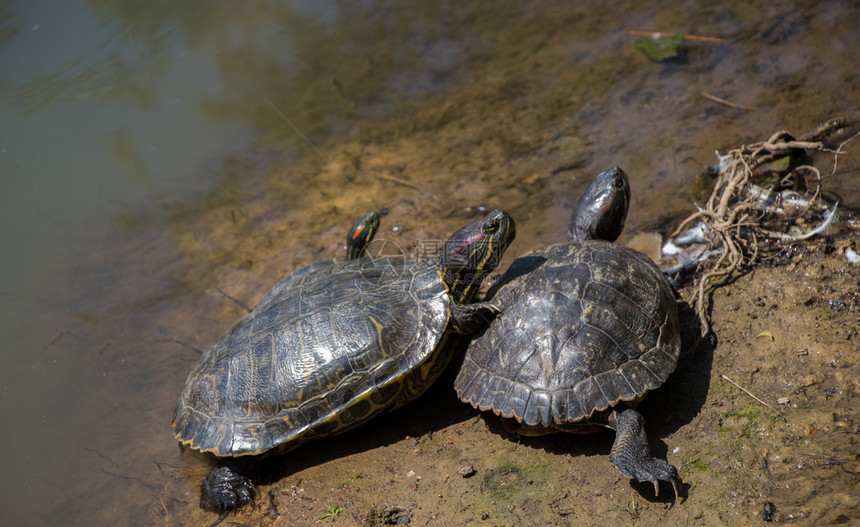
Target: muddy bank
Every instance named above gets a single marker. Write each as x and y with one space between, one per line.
786 334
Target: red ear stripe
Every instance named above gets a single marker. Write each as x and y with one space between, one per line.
608 203
466 243
357 232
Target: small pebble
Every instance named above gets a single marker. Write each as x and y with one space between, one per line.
467 471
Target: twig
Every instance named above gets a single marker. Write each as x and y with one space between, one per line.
686 37
754 397
54 340
296 128
164 505
727 103
189 346
96 452
248 309
406 184
131 478
106 345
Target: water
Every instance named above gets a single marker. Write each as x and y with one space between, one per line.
159 159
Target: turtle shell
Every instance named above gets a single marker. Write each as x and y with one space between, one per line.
583 326
324 352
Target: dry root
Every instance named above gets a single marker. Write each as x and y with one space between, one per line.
740 215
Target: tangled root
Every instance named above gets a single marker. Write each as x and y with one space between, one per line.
739 214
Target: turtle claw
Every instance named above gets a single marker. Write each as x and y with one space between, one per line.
225 490
676 483
674 480
630 453
668 473
655 470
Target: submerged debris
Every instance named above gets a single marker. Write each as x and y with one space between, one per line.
659 47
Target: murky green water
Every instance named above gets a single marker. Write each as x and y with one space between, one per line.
159 158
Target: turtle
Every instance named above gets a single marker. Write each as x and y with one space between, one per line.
330 350
586 329
358 238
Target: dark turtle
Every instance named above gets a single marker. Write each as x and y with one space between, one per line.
330 350
587 328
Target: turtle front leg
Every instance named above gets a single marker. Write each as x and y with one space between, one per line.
469 318
630 453
226 488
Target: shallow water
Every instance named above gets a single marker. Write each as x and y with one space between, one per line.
164 164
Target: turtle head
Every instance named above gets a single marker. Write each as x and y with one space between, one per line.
361 234
474 251
602 209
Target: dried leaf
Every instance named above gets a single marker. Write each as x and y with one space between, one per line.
765 334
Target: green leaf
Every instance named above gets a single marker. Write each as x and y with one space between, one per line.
331 512
659 49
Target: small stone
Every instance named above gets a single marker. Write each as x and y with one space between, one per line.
649 243
811 379
467 471
844 423
531 180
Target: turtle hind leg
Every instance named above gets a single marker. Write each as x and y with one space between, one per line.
630 453
225 488
469 318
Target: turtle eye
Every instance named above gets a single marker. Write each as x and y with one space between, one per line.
491 227
619 183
